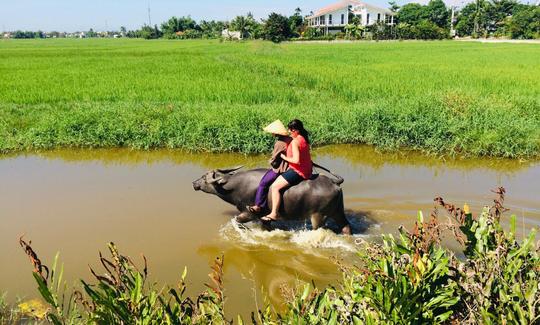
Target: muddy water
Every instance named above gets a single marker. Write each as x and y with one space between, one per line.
76 201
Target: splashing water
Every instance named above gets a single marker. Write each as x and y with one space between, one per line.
297 239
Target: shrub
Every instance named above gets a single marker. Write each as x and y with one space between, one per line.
312 33
427 30
382 31
277 28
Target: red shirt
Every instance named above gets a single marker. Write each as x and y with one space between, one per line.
304 166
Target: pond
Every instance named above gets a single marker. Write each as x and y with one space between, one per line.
75 201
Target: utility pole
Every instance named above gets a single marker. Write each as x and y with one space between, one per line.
452 30
149 18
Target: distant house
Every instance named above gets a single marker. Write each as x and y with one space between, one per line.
231 34
333 18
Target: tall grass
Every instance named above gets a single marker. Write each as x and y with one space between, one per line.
439 97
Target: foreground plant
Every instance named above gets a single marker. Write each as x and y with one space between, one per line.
122 295
413 280
499 281
409 280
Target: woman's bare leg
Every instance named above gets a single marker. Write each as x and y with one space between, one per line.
279 184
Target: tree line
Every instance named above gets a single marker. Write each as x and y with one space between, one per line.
481 18
275 28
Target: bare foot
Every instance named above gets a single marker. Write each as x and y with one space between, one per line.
270 217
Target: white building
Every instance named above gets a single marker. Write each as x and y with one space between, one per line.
228 34
334 18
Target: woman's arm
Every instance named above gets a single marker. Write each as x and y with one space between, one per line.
295 159
276 160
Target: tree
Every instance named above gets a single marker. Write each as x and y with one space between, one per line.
211 29
525 23
465 20
123 31
174 25
437 13
393 6
412 14
480 18
246 25
296 21
497 13
353 31
240 24
91 33
277 28
149 32
23 34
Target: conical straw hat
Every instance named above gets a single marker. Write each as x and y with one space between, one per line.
276 127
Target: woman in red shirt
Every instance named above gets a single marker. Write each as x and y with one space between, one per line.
300 165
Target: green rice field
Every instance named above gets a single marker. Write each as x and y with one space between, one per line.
441 97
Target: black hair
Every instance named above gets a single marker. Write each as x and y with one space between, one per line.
299 126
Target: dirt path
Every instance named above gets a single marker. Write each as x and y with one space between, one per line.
490 40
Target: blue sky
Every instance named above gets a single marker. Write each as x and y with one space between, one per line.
73 15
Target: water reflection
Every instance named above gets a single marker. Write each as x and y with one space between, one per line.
281 259
356 155
376 159
123 156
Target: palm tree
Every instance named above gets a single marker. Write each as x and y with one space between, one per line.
239 24
244 24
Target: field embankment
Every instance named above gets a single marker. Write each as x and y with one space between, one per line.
438 97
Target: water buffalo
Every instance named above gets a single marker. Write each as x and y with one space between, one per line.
316 198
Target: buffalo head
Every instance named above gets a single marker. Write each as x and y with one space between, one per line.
213 180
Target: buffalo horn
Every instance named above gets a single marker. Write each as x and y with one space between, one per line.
214 180
230 170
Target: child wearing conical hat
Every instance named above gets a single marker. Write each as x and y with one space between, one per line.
278 164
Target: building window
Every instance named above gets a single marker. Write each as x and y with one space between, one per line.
322 20
343 19
329 19
367 19
378 17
